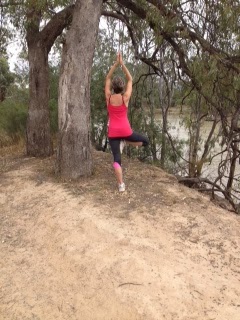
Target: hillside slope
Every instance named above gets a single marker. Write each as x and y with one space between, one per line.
81 250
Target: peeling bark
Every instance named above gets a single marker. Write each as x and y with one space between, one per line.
74 155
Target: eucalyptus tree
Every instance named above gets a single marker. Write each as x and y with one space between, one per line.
39 42
40 23
74 155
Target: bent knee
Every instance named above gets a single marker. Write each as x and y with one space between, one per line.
116 165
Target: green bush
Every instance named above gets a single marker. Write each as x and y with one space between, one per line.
13 117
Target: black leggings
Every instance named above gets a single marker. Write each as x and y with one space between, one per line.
115 144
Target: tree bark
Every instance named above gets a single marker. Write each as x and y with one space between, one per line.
39 143
74 154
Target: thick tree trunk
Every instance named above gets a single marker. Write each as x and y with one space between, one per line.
74 155
39 143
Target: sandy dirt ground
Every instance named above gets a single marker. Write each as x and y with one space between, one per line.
82 251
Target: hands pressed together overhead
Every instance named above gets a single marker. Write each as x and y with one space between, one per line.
119 59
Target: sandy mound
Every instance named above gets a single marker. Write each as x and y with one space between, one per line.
80 250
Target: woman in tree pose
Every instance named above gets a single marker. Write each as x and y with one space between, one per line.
119 128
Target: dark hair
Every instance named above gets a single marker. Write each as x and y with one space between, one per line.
118 84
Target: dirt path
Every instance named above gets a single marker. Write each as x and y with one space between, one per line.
82 251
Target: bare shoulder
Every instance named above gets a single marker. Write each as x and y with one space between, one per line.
126 98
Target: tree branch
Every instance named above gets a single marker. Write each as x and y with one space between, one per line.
56 25
215 187
220 55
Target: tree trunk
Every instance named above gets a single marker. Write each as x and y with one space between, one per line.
39 143
74 154
233 162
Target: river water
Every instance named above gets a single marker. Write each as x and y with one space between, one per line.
179 130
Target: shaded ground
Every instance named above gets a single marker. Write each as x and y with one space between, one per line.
81 250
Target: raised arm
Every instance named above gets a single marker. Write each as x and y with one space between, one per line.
128 90
108 80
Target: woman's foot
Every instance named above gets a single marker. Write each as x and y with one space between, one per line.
134 144
122 145
121 187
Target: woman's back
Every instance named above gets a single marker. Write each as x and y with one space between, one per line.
118 120
117 100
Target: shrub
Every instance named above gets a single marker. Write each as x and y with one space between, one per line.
13 116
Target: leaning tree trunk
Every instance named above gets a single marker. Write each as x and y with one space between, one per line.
74 155
39 143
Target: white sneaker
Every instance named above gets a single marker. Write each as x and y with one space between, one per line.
121 187
122 145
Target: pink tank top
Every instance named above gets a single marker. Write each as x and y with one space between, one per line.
119 125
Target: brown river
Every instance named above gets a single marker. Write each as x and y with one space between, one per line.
178 129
